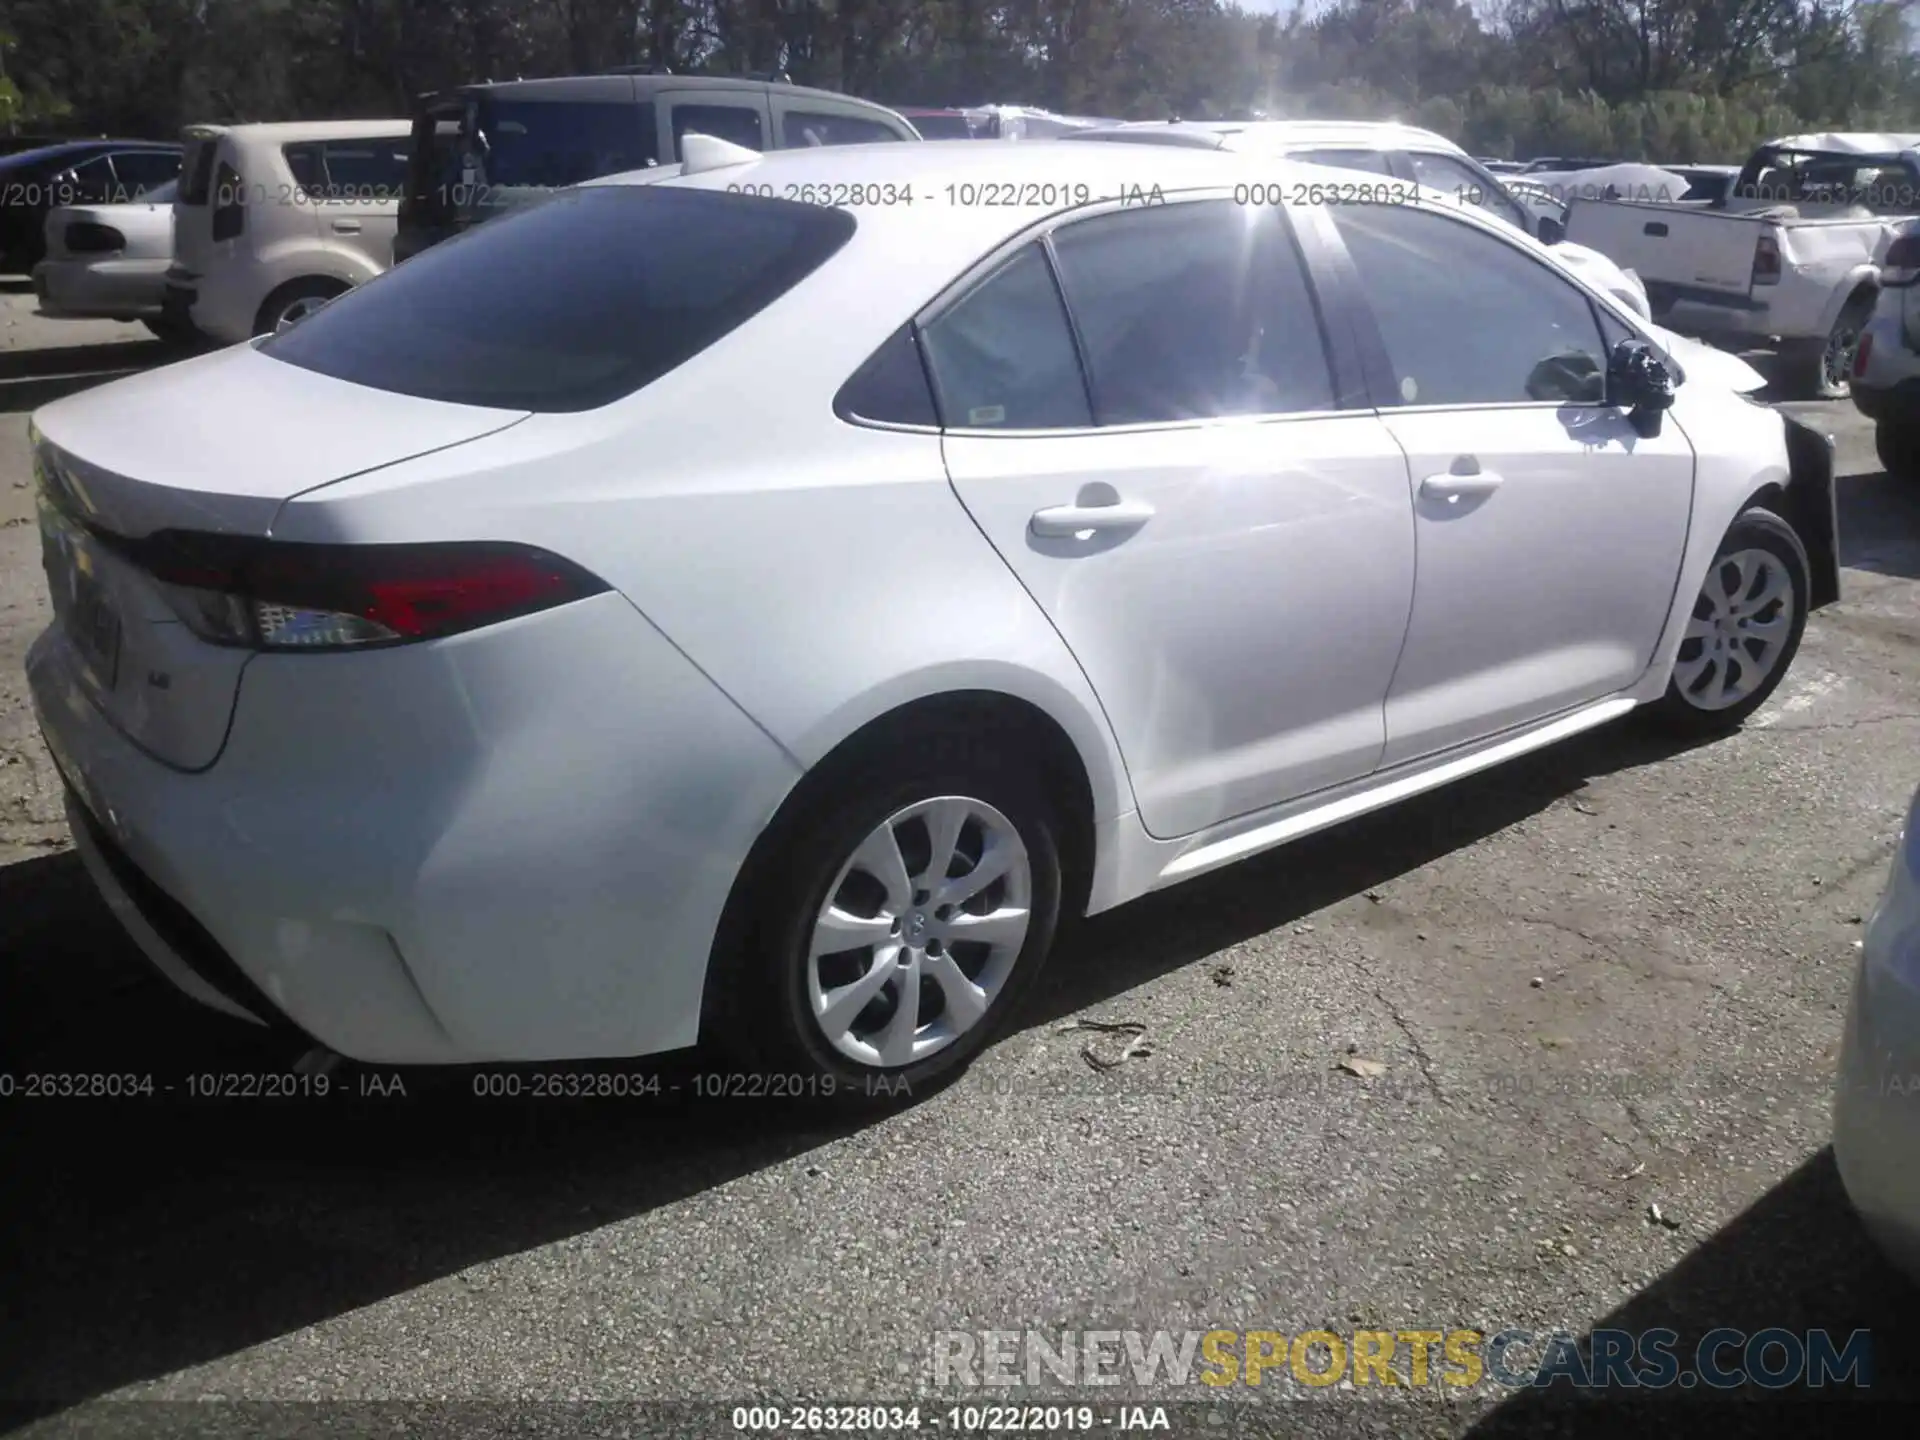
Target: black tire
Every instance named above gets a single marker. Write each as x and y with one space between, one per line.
1681 712
290 295
1898 446
173 332
1823 369
758 1016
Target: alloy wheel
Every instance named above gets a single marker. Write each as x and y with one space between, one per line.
1739 630
920 932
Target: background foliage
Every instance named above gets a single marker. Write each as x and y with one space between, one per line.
1667 80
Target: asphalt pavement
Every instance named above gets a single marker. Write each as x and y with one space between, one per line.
1431 1071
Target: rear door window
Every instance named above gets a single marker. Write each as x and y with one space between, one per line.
736 124
303 163
1192 312
370 171
1370 160
649 276
142 171
91 182
1003 356
551 143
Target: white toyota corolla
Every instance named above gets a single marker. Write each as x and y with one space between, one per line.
756 604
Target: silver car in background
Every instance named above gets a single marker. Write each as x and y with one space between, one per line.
1876 1121
109 262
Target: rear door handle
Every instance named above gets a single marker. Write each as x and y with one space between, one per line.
346 227
1465 479
1065 520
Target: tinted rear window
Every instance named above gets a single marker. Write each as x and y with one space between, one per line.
651 276
562 142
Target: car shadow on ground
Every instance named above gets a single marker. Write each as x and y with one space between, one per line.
32 378
1797 1259
142 1236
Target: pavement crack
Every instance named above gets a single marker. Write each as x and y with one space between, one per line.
1419 1051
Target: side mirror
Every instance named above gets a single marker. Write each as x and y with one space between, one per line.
1552 230
1639 381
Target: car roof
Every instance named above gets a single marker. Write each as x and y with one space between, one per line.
284 131
558 87
1847 143
76 147
1277 135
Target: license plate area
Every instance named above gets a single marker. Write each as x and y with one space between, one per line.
81 600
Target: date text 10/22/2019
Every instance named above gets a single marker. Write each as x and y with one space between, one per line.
956 1419
962 195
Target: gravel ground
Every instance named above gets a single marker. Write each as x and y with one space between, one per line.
1606 978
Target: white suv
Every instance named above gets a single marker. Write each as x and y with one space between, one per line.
273 221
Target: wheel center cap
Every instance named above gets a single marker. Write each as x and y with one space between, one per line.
916 926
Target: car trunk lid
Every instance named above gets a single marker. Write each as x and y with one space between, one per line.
215 445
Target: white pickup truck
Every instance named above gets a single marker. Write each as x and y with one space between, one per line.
1788 258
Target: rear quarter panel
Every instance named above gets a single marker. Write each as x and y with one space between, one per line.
820 573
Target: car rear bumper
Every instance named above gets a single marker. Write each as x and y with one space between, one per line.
101 289
511 845
1876 1125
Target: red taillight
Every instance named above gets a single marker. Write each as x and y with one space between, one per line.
1766 261
84 237
281 595
1862 353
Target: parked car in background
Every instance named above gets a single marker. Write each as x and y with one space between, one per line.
1497 167
273 221
110 262
1876 1124
1886 366
1389 149
525 704
73 172
1708 184
954 124
482 150
1789 258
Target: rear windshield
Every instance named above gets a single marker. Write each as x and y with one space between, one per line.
651 276
559 142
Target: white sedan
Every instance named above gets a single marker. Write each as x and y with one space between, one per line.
766 624
109 262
